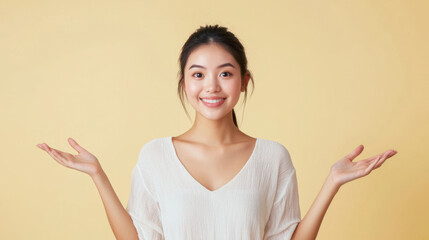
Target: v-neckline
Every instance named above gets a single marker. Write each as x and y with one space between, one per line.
176 158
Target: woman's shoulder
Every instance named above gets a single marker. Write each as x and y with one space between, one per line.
153 152
155 145
273 145
276 151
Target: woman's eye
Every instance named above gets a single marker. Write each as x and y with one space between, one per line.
196 74
229 74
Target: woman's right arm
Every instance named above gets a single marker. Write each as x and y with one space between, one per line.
341 172
119 219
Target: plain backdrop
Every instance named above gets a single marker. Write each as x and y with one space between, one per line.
329 75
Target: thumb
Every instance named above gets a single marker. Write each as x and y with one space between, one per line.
76 146
354 153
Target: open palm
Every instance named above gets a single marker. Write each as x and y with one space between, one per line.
84 161
345 170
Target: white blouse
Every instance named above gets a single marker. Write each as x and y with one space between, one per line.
261 202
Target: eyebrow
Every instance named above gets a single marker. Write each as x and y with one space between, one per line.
223 65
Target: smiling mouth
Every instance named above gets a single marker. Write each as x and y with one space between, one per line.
213 100
213 103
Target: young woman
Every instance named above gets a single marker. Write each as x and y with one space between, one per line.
214 181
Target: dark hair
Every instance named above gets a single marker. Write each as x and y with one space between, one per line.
213 34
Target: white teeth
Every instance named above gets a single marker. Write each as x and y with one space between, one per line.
212 101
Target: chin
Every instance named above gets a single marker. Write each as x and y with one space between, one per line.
214 116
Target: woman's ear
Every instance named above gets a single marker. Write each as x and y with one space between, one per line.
245 81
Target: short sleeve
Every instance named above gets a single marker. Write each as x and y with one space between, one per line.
144 209
285 213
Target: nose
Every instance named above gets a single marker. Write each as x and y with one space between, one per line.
212 84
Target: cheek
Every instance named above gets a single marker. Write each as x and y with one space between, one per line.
234 87
192 89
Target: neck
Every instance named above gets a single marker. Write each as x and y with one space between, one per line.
214 132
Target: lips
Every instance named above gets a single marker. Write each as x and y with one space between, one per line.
212 98
214 104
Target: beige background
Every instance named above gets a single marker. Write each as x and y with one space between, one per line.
329 75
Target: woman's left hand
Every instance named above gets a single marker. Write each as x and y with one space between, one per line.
345 170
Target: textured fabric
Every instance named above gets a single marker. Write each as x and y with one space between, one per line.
260 203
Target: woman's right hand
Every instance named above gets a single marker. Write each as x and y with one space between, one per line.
84 161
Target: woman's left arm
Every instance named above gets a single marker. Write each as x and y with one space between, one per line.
341 172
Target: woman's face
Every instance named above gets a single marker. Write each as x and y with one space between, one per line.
212 72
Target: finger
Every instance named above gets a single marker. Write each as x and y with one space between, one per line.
55 157
381 159
393 152
49 149
355 152
76 146
45 147
58 157
387 155
67 162
62 154
371 159
370 167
